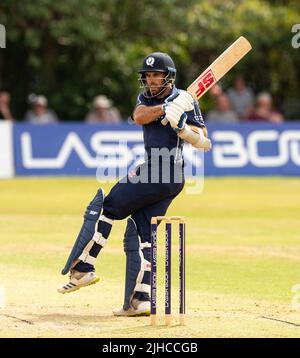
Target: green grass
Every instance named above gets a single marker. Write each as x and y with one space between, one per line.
243 257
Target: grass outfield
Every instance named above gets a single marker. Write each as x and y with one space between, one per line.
243 258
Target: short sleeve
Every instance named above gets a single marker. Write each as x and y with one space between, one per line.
141 100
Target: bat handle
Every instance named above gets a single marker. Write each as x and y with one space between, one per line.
164 121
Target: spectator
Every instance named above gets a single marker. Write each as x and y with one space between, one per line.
241 97
216 91
223 112
5 112
264 111
103 112
40 114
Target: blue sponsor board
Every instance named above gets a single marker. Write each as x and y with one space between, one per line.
254 149
73 149
80 149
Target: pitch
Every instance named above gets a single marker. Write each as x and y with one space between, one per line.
242 261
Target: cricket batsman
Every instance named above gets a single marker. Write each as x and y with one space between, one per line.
145 193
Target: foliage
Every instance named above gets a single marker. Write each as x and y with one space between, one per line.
73 50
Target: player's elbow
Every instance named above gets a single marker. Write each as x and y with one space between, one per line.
138 119
137 116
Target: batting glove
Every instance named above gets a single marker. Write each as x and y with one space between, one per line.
185 101
175 116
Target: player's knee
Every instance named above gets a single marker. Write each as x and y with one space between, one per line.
93 210
114 208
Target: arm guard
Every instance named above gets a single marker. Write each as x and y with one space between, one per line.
197 139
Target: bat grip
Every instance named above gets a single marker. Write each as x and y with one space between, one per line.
164 121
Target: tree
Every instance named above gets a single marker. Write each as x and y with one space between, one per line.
73 50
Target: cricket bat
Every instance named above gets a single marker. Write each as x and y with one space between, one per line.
230 57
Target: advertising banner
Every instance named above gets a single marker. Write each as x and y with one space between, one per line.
80 149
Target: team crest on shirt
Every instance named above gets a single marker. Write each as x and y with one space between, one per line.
150 61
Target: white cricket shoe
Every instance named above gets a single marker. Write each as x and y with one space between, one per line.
78 280
137 308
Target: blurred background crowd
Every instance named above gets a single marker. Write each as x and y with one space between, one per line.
237 104
102 110
78 61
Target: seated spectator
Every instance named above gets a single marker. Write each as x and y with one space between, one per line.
5 112
223 112
241 97
264 111
40 114
216 90
103 112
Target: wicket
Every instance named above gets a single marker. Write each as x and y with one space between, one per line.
168 245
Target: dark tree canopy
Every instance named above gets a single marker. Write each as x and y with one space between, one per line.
73 50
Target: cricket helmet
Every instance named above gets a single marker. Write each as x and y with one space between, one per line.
157 62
